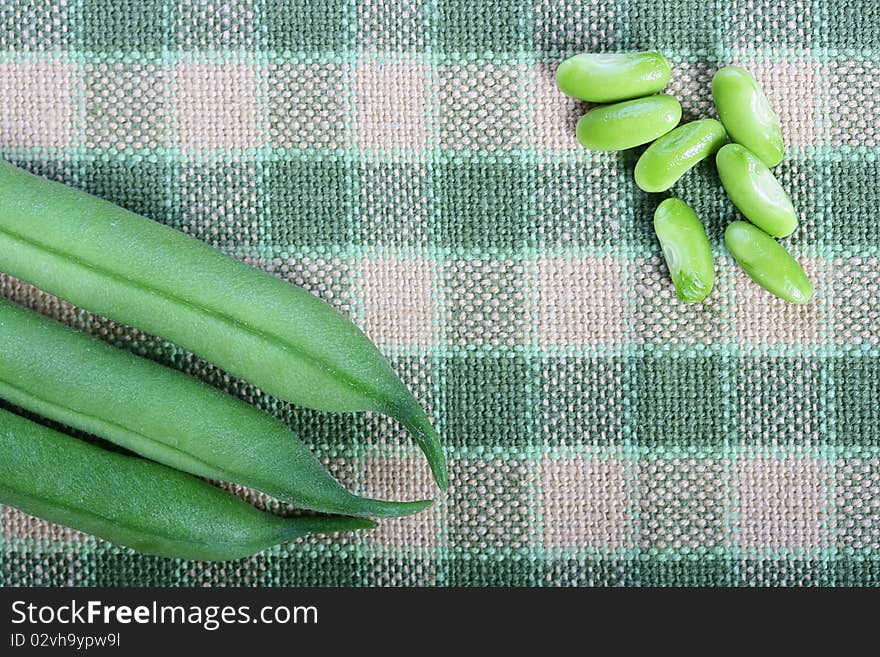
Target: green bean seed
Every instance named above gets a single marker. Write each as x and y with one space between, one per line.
747 115
755 191
686 250
767 262
671 156
628 124
253 325
135 502
609 78
164 415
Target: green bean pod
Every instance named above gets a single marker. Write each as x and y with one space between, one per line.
686 250
628 124
755 191
676 152
164 415
134 502
747 115
767 262
609 78
255 326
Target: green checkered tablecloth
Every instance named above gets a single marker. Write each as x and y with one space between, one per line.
413 163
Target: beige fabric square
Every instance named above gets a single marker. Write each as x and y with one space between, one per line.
782 502
398 298
38 104
555 115
393 107
764 319
307 105
580 301
217 106
328 279
793 91
406 478
126 106
19 526
850 104
660 317
585 503
481 106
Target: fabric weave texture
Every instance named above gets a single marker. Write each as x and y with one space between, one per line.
412 162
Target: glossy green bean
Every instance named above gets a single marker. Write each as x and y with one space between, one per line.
628 124
676 152
164 415
255 326
134 502
686 250
767 262
747 115
755 191
609 78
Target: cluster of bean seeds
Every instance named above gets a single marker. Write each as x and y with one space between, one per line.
638 115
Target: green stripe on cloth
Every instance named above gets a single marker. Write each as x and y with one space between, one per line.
412 163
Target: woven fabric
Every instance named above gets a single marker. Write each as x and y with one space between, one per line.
413 163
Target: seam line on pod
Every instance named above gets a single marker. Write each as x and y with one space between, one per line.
94 514
124 429
223 317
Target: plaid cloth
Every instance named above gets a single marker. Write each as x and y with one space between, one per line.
413 163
